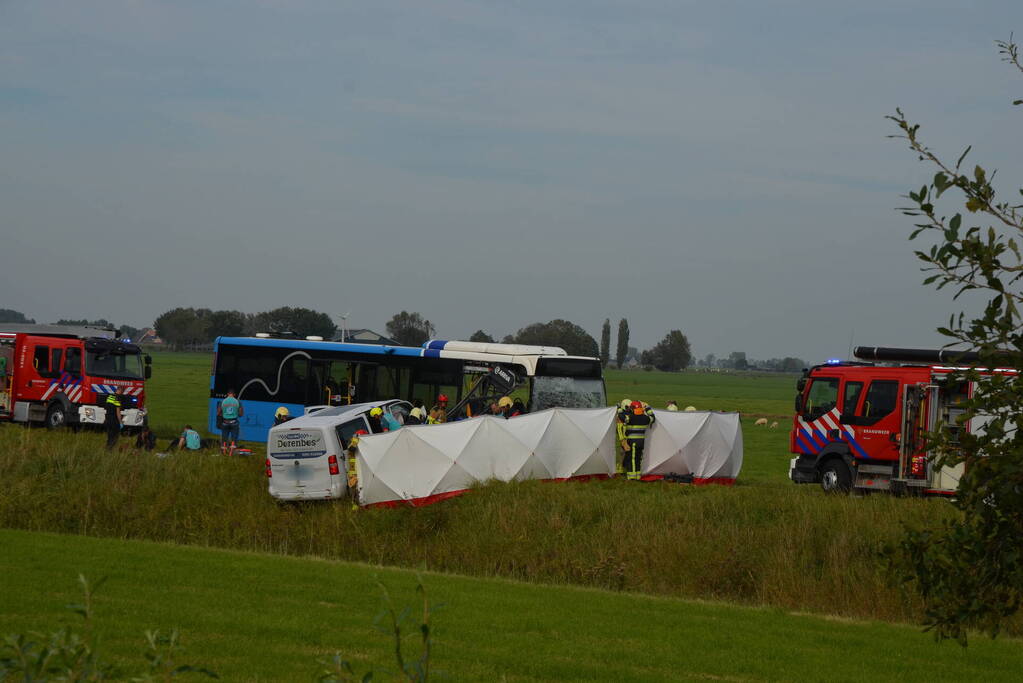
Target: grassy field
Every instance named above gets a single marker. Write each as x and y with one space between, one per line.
759 543
764 542
263 617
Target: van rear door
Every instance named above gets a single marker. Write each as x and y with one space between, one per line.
298 463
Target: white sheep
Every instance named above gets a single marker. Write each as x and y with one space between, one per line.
762 422
774 425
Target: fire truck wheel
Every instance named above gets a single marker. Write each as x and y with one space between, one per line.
835 477
56 416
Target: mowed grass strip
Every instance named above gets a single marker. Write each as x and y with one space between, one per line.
786 546
263 617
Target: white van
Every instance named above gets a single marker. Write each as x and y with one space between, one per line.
306 458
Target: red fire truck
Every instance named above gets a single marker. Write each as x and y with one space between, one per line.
861 426
62 375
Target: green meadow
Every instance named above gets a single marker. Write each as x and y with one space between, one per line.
539 580
263 617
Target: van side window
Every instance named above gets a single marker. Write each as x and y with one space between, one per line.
881 399
851 397
823 397
346 431
41 360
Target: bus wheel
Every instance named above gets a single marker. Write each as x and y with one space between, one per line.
835 477
56 417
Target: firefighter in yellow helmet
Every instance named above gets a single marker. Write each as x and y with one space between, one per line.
636 425
508 408
622 412
353 446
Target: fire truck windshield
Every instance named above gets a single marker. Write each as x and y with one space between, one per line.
114 365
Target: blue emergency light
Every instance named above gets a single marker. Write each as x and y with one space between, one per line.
834 361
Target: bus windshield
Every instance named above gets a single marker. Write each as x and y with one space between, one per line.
113 365
567 392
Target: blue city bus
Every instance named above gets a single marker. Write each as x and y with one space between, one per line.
268 373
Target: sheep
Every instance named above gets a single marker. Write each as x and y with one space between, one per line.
774 425
762 422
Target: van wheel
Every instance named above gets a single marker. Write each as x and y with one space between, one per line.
56 416
835 477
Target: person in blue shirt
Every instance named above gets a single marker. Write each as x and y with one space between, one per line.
190 440
229 411
389 422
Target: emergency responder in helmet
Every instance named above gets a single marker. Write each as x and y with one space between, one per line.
439 412
636 425
507 407
375 424
620 414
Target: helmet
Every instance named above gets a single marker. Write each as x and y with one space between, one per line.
505 402
416 412
376 412
626 403
442 399
361 432
281 412
636 405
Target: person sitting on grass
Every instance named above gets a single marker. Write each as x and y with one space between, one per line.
189 440
146 440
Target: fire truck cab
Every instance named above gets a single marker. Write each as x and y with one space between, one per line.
61 376
861 426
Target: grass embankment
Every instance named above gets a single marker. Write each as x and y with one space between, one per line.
260 617
789 547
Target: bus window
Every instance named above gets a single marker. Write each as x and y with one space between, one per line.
296 382
403 379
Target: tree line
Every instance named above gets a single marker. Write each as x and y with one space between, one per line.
190 327
183 327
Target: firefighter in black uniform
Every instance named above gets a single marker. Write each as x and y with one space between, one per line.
113 418
636 424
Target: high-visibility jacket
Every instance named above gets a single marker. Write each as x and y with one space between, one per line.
636 426
112 404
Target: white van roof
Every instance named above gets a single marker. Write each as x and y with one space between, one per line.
331 416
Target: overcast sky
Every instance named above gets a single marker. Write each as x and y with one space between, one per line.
717 167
